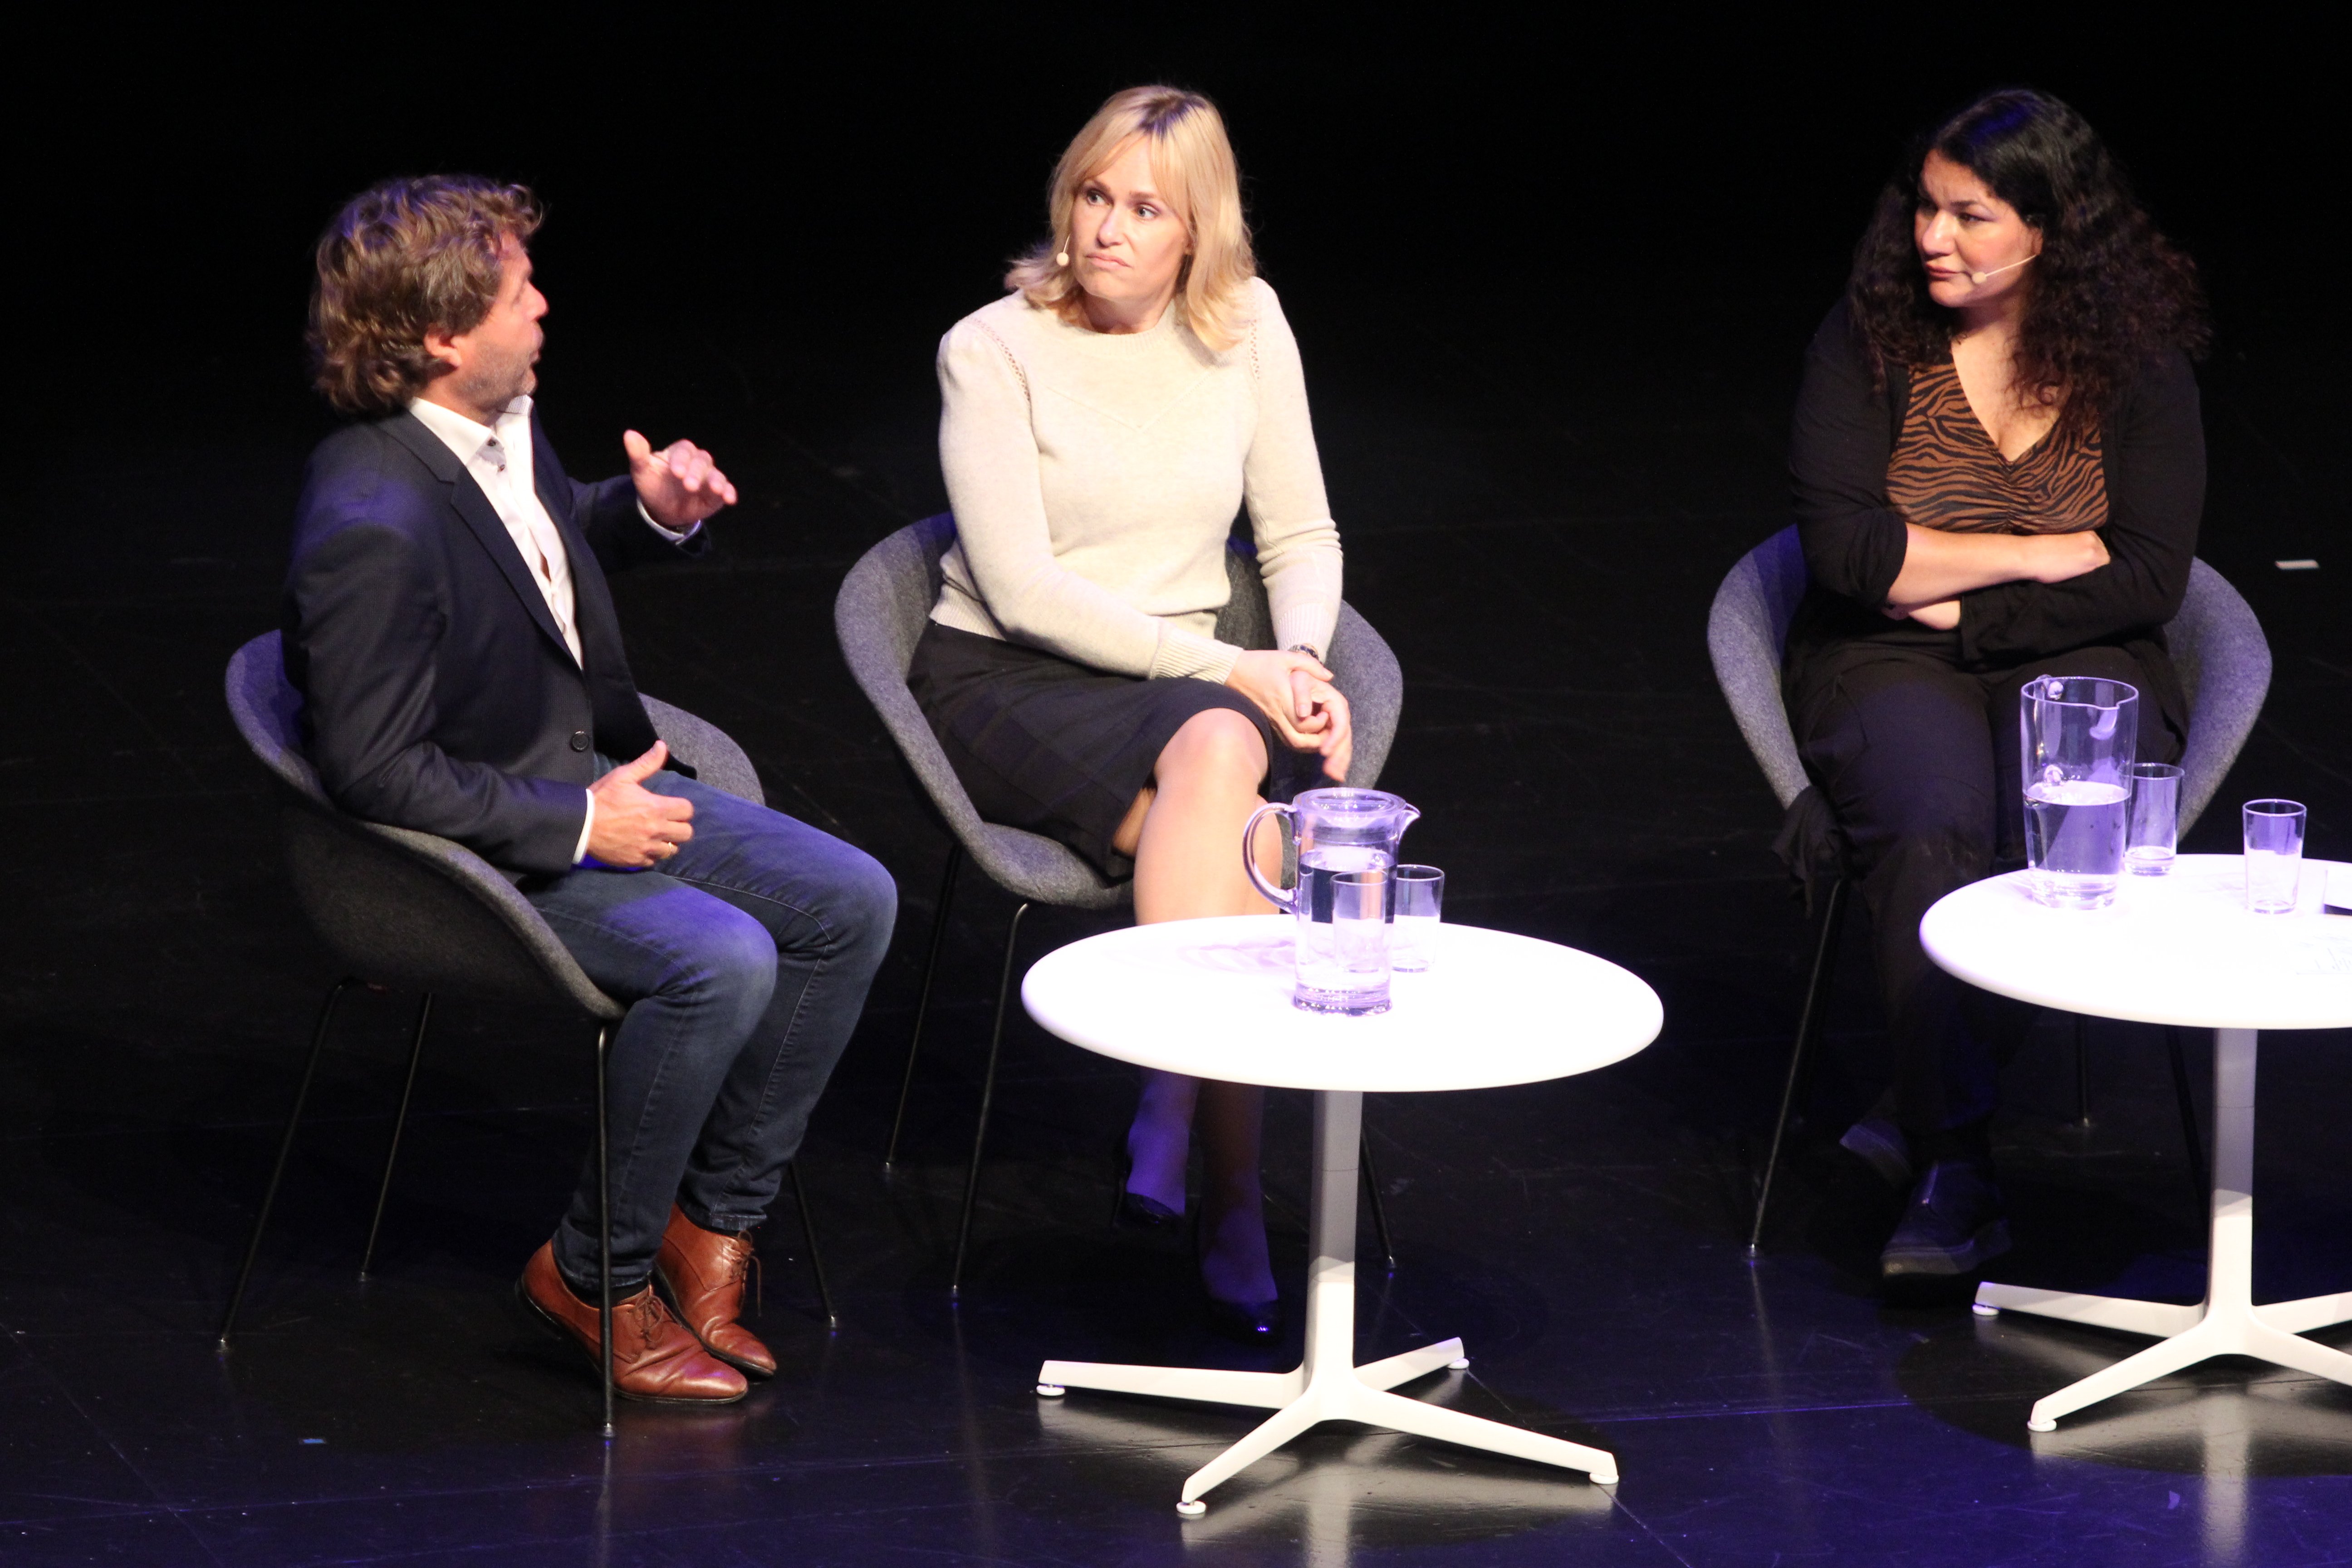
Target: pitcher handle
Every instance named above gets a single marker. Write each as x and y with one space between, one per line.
1272 894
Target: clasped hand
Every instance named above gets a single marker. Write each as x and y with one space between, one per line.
679 485
634 828
1296 692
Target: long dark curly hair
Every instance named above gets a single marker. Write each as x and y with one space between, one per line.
2109 291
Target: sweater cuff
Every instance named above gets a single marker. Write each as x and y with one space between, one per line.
1189 653
1317 626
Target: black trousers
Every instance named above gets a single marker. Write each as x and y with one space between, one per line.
1918 760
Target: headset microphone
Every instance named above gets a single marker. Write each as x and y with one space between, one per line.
1997 271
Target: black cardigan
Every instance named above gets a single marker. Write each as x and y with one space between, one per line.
2153 451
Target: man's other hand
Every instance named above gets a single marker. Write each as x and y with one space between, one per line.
679 485
634 828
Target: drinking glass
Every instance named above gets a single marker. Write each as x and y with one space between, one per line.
2154 829
1352 975
2274 855
2076 738
1413 936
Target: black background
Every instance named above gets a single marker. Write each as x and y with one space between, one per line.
1551 273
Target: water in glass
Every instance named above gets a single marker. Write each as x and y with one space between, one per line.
2076 736
2074 840
1336 833
2151 839
1342 944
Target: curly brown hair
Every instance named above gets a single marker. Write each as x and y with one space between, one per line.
2109 293
402 259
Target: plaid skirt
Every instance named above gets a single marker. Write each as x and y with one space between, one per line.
1062 750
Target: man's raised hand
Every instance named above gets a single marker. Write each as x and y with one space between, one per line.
634 828
679 485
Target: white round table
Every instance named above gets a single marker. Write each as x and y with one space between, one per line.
2180 950
1212 999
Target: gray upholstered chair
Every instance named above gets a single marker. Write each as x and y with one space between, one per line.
2217 645
880 613
402 910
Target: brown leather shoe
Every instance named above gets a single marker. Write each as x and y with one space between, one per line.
654 1358
702 1272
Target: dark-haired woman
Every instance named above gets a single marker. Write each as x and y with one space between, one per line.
1999 465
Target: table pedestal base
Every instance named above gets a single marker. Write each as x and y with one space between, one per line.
1327 1385
2227 1323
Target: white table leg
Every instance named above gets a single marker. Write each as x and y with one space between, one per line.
1328 1384
2313 1313
1386 1375
2228 1323
1264 1390
2160 1319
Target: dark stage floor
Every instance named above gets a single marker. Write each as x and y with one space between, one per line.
1537 504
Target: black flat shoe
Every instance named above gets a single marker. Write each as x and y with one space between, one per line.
1880 1145
1251 1322
1954 1224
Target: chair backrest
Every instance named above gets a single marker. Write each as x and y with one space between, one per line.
880 615
1747 633
408 908
1361 661
2224 664
2217 649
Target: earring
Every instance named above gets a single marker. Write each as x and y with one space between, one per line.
1062 258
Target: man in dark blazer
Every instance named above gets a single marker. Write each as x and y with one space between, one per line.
447 622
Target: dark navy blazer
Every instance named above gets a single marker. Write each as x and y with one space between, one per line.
438 693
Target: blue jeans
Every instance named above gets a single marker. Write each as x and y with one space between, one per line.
745 960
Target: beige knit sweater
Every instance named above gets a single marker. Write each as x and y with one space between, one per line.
1095 478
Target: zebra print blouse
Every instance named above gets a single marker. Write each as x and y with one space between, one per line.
1947 473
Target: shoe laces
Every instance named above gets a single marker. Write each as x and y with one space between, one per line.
648 1316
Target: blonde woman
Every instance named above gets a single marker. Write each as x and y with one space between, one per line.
1099 426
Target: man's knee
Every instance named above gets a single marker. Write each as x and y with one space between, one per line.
728 960
863 906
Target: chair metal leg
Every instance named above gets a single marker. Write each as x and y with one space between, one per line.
399 1123
285 1149
923 1002
987 1097
1379 1210
2081 1071
2188 1134
604 1229
1809 1024
808 1233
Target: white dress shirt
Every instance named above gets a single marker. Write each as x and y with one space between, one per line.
499 457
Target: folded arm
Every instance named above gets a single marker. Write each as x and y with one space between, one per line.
2154 508
1858 546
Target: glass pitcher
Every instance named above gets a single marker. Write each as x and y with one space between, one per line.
2078 738
1332 832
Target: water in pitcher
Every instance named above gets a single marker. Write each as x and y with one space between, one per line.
2074 841
1333 976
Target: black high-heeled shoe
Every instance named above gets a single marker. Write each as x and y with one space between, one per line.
1133 1211
1251 1322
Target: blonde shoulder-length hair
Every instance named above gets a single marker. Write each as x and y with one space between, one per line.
1192 162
